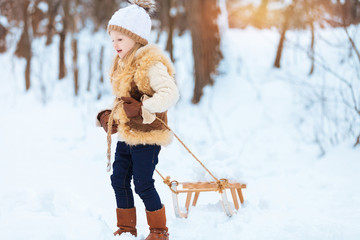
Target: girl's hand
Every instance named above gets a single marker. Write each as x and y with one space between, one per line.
104 119
131 107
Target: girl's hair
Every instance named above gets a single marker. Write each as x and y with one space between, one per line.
126 62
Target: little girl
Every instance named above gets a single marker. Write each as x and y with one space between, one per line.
141 77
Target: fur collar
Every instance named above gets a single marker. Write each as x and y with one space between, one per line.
146 48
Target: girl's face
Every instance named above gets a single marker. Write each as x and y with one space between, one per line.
122 43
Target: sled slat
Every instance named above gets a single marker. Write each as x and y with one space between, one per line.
190 185
197 190
233 194
196 198
240 195
188 199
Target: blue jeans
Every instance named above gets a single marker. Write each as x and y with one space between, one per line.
139 162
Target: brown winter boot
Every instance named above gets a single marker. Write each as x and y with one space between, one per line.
126 221
157 225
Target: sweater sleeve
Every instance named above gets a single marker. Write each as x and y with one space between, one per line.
166 92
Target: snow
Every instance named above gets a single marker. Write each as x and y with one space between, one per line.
53 178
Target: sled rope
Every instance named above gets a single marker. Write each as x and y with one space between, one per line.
221 184
168 182
110 123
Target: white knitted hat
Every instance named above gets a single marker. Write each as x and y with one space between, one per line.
134 20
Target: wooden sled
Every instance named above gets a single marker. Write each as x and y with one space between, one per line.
198 187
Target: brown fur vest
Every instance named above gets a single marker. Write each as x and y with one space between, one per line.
134 82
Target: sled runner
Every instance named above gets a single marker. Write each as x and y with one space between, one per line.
219 185
197 187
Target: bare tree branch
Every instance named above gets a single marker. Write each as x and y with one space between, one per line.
329 70
352 43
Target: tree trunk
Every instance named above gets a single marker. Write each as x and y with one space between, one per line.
349 12
202 15
27 73
65 18
345 25
62 67
101 11
90 72
74 45
357 143
280 48
23 48
3 33
312 50
162 15
52 10
101 59
171 21
285 27
309 9
37 15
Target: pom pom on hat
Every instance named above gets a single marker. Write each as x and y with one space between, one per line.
148 5
134 20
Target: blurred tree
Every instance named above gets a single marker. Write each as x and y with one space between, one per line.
23 48
202 15
12 10
260 15
53 7
101 11
285 26
37 15
89 71
65 18
74 46
240 14
170 17
181 23
351 11
171 21
101 78
350 16
309 7
3 33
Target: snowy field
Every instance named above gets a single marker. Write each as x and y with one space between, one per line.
53 178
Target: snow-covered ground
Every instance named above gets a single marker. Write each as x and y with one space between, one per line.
53 178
